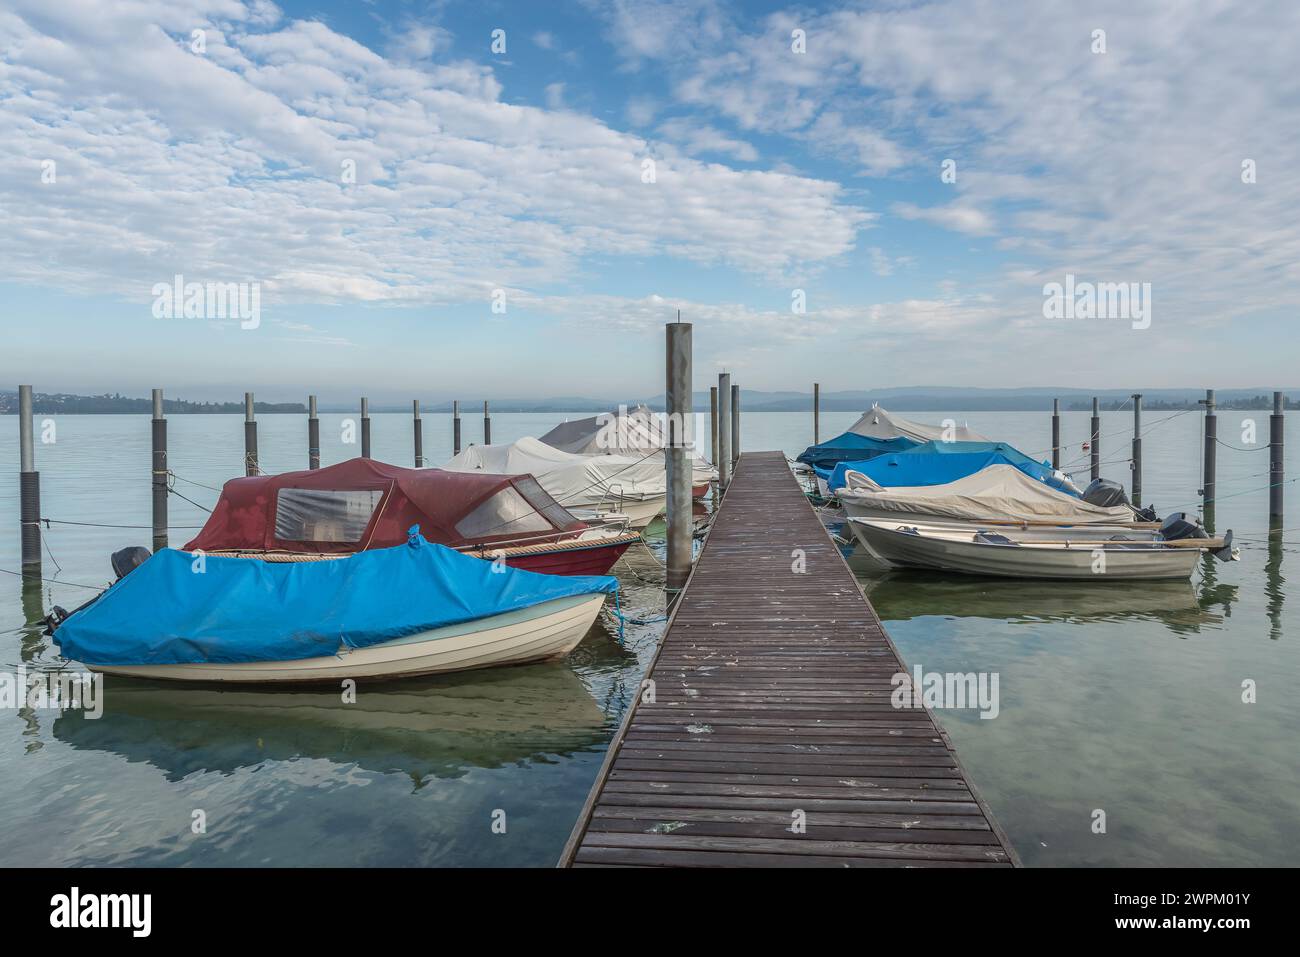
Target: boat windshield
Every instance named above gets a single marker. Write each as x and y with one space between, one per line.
505 513
324 515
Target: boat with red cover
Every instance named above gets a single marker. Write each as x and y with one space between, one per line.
363 504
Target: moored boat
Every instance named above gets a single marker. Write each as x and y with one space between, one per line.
589 486
364 504
1008 553
415 609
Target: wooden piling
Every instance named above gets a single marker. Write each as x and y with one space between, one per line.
724 431
455 427
735 426
1137 449
29 487
678 406
159 483
1056 433
365 427
1094 443
713 423
1276 476
313 434
487 424
250 436
1210 466
418 425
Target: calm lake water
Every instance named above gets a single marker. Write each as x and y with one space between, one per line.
1124 698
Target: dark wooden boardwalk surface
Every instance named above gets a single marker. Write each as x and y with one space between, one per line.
771 703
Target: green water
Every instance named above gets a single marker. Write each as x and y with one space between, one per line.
1125 698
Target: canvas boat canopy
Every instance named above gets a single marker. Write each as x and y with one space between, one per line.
997 492
937 463
849 447
362 504
628 432
877 423
879 432
164 612
624 432
575 481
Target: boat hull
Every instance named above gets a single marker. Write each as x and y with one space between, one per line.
640 512
1028 560
547 630
595 559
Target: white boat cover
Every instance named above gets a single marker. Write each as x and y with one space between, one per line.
635 432
999 492
876 423
575 481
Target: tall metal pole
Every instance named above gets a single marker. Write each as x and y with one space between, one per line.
1094 443
487 424
419 433
365 427
735 427
1137 448
678 398
1056 433
1275 469
159 484
724 430
713 423
817 413
455 427
250 436
1209 481
313 434
29 487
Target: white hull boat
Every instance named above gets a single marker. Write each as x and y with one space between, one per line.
999 494
548 630
1003 553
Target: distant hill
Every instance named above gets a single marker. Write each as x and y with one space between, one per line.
916 398
64 404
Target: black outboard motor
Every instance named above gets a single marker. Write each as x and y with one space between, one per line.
128 560
1105 493
1178 526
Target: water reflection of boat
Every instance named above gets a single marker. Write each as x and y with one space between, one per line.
440 727
901 597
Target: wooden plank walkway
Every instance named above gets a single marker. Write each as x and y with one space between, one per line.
771 697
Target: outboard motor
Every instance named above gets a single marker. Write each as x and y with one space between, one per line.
1178 526
1105 493
128 560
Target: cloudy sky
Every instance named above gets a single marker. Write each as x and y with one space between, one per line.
387 171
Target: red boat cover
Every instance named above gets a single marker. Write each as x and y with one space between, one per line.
362 504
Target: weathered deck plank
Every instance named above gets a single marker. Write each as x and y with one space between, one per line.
771 701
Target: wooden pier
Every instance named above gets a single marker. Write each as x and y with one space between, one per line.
766 736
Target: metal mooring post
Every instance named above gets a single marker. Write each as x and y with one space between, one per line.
418 426
250 436
1094 444
1275 468
313 434
29 487
724 431
159 483
1137 448
365 427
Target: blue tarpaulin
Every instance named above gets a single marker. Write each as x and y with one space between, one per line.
850 446
936 463
238 609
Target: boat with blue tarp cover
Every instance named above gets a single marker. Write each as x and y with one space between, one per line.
937 463
413 609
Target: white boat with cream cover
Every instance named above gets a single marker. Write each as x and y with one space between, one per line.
635 432
999 493
583 484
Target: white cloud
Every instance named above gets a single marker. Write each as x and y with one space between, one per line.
234 164
955 216
695 138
